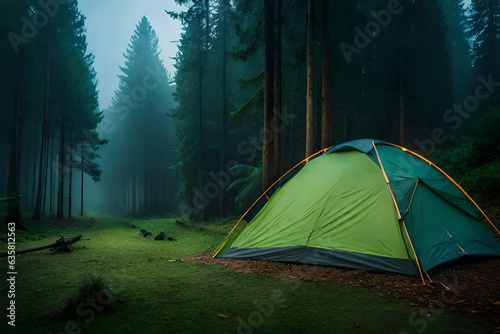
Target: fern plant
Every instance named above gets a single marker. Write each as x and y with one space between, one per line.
249 184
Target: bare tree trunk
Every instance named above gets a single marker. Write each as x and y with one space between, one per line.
134 192
401 106
310 75
145 190
13 204
276 172
33 176
45 172
81 185
207 25
327 105
52 179
344 110
30 183
59 243
223 135
60 191
269 40
38 204
70 181
201 213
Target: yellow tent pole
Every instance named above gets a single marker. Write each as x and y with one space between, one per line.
399 215
289 171
456 243
387 181
227 237
414 253
408 235
411 198
451 180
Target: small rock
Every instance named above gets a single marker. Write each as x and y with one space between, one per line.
178 222
160 236
171 239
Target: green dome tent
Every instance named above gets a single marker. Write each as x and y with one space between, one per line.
364 204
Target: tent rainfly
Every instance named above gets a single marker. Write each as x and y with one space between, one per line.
364 204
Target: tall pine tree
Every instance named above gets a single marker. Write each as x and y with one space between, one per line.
140 181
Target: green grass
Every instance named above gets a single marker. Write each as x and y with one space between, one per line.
159 294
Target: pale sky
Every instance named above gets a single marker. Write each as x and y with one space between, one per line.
110 25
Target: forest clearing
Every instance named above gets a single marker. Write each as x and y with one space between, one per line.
175 287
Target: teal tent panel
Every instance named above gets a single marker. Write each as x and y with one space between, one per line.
441 232
362 145
403 170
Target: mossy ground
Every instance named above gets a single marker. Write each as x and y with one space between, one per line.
159 293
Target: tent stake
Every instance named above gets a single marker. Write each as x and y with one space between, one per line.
428 277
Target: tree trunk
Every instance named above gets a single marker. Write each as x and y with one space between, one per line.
60 169
51 187
14 199
207 25
201 212
276 171
401 106
57 244
46 171
344 126
31 161
223 135
134 192
145 190
327 105
81 185
34 171
70 181
310 75
38 204
269 40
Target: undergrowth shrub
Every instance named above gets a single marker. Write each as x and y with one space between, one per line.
93 295
475 164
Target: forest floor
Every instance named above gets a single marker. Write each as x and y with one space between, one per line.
176 287
471 286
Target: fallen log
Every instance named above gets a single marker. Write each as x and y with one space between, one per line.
63 243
